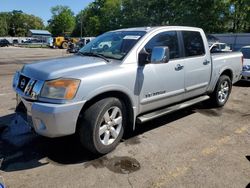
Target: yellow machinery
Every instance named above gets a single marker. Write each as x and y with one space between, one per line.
63 42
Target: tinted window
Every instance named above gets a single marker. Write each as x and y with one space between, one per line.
165 39
193 43
246 53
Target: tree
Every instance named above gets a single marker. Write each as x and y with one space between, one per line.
207 14
90 18
111 15
100 16
62 21
4 23
212 15
239 15
134 13
17 23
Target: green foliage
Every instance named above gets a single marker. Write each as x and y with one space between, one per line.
63 20
213 16
208 14
17 23
239 15
4 22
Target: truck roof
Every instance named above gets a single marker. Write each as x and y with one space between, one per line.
149 29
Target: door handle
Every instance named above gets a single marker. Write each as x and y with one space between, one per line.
206 62
179 67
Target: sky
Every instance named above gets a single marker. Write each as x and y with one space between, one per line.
41 8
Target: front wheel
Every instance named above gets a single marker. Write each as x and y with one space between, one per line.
64 45
222 91
102 125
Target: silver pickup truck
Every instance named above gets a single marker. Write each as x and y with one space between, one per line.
145 73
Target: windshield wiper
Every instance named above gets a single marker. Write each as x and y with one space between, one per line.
94 55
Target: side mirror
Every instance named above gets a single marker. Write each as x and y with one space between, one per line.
160 54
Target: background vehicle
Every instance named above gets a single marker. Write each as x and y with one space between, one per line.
74 48
105 45
246 63
63 42
15 41
32 41
219 47
85 40
235 40
4 42
146 73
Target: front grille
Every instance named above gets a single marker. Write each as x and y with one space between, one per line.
23 82
27 87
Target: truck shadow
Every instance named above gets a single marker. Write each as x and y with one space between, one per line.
36 151
5 120
242 83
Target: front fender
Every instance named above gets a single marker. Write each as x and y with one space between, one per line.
115 88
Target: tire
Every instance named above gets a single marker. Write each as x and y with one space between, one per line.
221 92
64 45
102 125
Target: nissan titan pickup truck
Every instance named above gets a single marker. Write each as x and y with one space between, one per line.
143 74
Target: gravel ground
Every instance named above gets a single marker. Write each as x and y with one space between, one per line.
195 147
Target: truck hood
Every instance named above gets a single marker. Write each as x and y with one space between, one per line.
62 67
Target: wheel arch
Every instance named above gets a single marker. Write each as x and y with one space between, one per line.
227 72
127 101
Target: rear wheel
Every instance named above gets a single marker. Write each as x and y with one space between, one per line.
102 125
222 91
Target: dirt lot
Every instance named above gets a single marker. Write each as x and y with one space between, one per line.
195 147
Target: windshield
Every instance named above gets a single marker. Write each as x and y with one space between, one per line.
114 45
246 53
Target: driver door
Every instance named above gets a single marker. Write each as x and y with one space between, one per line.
161 84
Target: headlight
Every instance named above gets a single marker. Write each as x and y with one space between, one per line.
60 89
246 68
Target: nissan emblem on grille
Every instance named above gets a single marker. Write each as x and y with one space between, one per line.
22 83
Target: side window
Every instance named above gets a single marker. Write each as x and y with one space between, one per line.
193 43
169 39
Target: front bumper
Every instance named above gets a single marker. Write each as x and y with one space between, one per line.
53 120
245 75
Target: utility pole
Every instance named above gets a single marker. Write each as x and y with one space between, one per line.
81 25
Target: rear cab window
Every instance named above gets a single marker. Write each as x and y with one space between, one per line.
193 43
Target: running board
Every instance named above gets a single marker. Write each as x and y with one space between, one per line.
168 110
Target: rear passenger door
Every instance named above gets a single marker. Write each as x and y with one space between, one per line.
197 64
